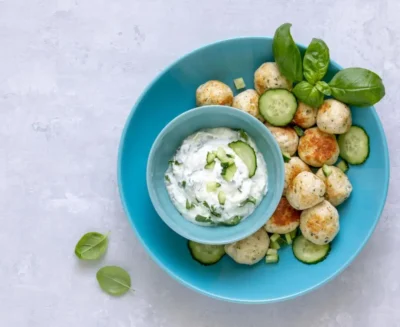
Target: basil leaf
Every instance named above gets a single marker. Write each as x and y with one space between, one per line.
323 87
287 54
91 246
357 86
308 94
316 61
114 280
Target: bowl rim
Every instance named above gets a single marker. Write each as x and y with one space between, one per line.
171 272
181 231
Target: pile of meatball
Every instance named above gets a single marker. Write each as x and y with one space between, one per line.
309 200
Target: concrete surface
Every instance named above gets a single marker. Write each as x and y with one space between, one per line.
70 70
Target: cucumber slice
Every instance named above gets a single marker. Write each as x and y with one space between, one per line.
277 106
210 157
299 131
247 154
228 171
308 252
221 197
210 165
343 166
206 254
354 145
239 83
272 258
326 170
286 156
212 186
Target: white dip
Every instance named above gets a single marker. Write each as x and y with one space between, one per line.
190 184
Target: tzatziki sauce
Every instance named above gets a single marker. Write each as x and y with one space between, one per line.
208 181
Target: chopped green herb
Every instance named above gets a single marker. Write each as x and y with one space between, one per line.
183 184
298 130
232 222
243 135
248 200
206 204
202 219
167 179
214 212
189 205
177 163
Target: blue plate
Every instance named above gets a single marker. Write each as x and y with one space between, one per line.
172 93
171 138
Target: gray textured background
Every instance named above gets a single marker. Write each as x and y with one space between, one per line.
70 71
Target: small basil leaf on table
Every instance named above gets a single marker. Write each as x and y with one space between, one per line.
316 61
308 94
287 54
114 280
91 246
323 87
357 86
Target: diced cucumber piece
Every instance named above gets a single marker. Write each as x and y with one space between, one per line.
308 252
272 252
232 222
275 245
206 254
288 238
278 106
228 171
239 83
286 156
299 131
293 234
343 166
354 145
210 165
212 186
248 200
221 155
275 237
202 219
189 205
326 170
247 154
272 258
243 135
221 197
210 157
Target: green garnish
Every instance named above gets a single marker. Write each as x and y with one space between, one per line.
189 205
91 246
114 280
239 83
202 219
167 179
248 200
243 135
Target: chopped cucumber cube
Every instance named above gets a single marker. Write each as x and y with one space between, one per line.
326 170
275 245
275 237
343 166
288 238
228 171
271 258
272 252
212 186
221 197
239 83
210 165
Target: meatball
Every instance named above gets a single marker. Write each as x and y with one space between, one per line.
247 101
338 186
214 92
317 148
249 250
286 137
334 117
268 76
305 191
284 220
320 224
305 115
292 168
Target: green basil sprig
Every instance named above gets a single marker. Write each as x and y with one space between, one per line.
287 54
316 61
91 246
323 87
308 94
114 280
357 86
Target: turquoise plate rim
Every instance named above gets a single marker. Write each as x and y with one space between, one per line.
182 281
